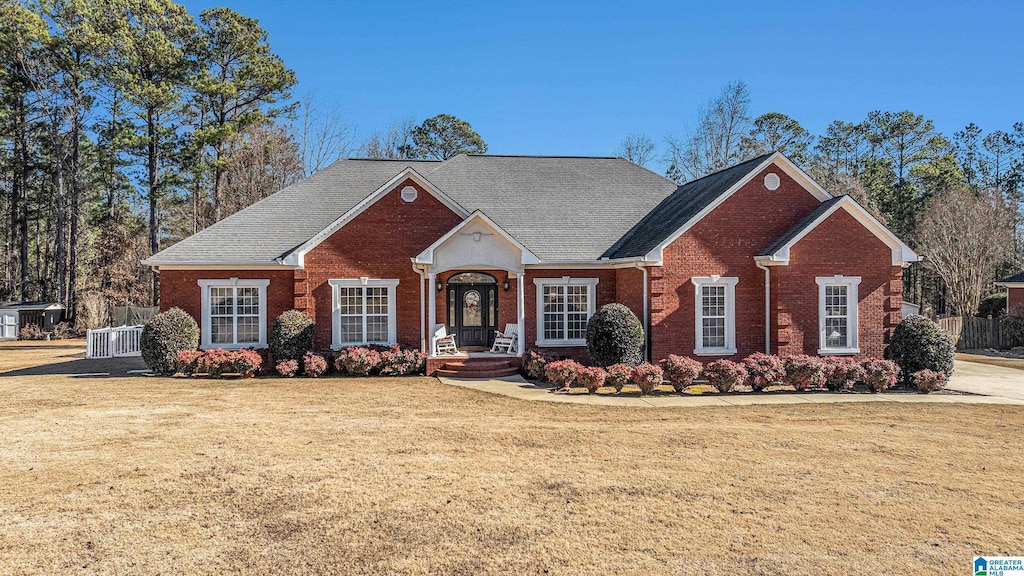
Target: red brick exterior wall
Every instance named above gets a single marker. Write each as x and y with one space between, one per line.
180 288
1014 299
379 243
724 243
839 245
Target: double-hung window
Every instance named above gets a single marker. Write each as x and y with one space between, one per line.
715 319
564 306
364 312
234 313
837 314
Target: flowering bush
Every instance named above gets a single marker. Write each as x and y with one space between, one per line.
763 370
562 372
592 378
805 372
246 362
215 362
398 361
535 364
725 374
879 375
288 368
841 373
187 361
619 375
357 361
647 377
314 365
680 371
928 380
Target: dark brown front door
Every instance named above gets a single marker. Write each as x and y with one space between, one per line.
474 306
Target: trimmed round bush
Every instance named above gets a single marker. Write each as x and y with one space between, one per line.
615 336
290 336
879 375
681 371
805 372
535 364
164 336
725 375
764 370
619 375
314 365
562 372
592 378
928 381
647 377
918 344
288 368
842 372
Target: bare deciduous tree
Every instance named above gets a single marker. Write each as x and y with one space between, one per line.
965 237
716 142
396 141
266 159
322 134
637 148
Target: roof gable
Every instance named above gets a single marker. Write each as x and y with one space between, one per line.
428 255
777 253
694 200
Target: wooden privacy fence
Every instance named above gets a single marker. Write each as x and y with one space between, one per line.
971 332
113 342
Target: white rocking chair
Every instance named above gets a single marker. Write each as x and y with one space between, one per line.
443 343
507 341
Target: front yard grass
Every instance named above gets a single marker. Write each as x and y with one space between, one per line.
409 476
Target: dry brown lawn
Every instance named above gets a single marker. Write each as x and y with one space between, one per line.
408 476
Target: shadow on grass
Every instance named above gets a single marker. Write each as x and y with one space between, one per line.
82 368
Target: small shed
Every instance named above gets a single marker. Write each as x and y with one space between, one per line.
45 315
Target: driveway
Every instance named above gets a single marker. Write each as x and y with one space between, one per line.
986 379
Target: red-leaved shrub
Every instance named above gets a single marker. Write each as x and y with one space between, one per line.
879 375
725 375
535 364
288 368
681 371
219 361
763 370
619 375
805 372
314 365
187 361
842 372
357 361
562 373
928 380
592 378
247 362
647 377
399 361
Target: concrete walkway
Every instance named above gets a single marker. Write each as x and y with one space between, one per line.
517 387
988 380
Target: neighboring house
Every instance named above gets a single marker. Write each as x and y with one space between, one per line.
17 315
755 257
1014 291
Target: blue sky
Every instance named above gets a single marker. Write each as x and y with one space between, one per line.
576 77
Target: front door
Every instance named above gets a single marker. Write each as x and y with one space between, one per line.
472 309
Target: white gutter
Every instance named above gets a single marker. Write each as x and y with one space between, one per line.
767 307
646 323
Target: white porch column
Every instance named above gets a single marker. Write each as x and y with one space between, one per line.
521 311
432 312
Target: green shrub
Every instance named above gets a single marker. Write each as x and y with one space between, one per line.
994 305
615 336
164 336
290 336
918 344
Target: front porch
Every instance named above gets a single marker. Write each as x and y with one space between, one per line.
473 365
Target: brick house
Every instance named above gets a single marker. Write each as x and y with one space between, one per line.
752 258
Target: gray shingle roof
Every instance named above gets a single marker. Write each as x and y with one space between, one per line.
686 202
561 208
800 226
1014 279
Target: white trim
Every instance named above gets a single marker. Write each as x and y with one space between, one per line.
363 282
297 256
780 160
852 306
427 255
590 283
901 253
218 266
729 282
1010 284
205 330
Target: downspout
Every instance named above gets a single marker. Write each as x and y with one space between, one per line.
646 323
767 307
423 305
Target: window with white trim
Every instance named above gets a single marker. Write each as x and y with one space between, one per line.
715 315
564 306
837 314
234 313
364 312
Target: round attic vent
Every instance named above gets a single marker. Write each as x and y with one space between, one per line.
771 181
409 193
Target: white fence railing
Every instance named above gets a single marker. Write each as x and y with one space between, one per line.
113 342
